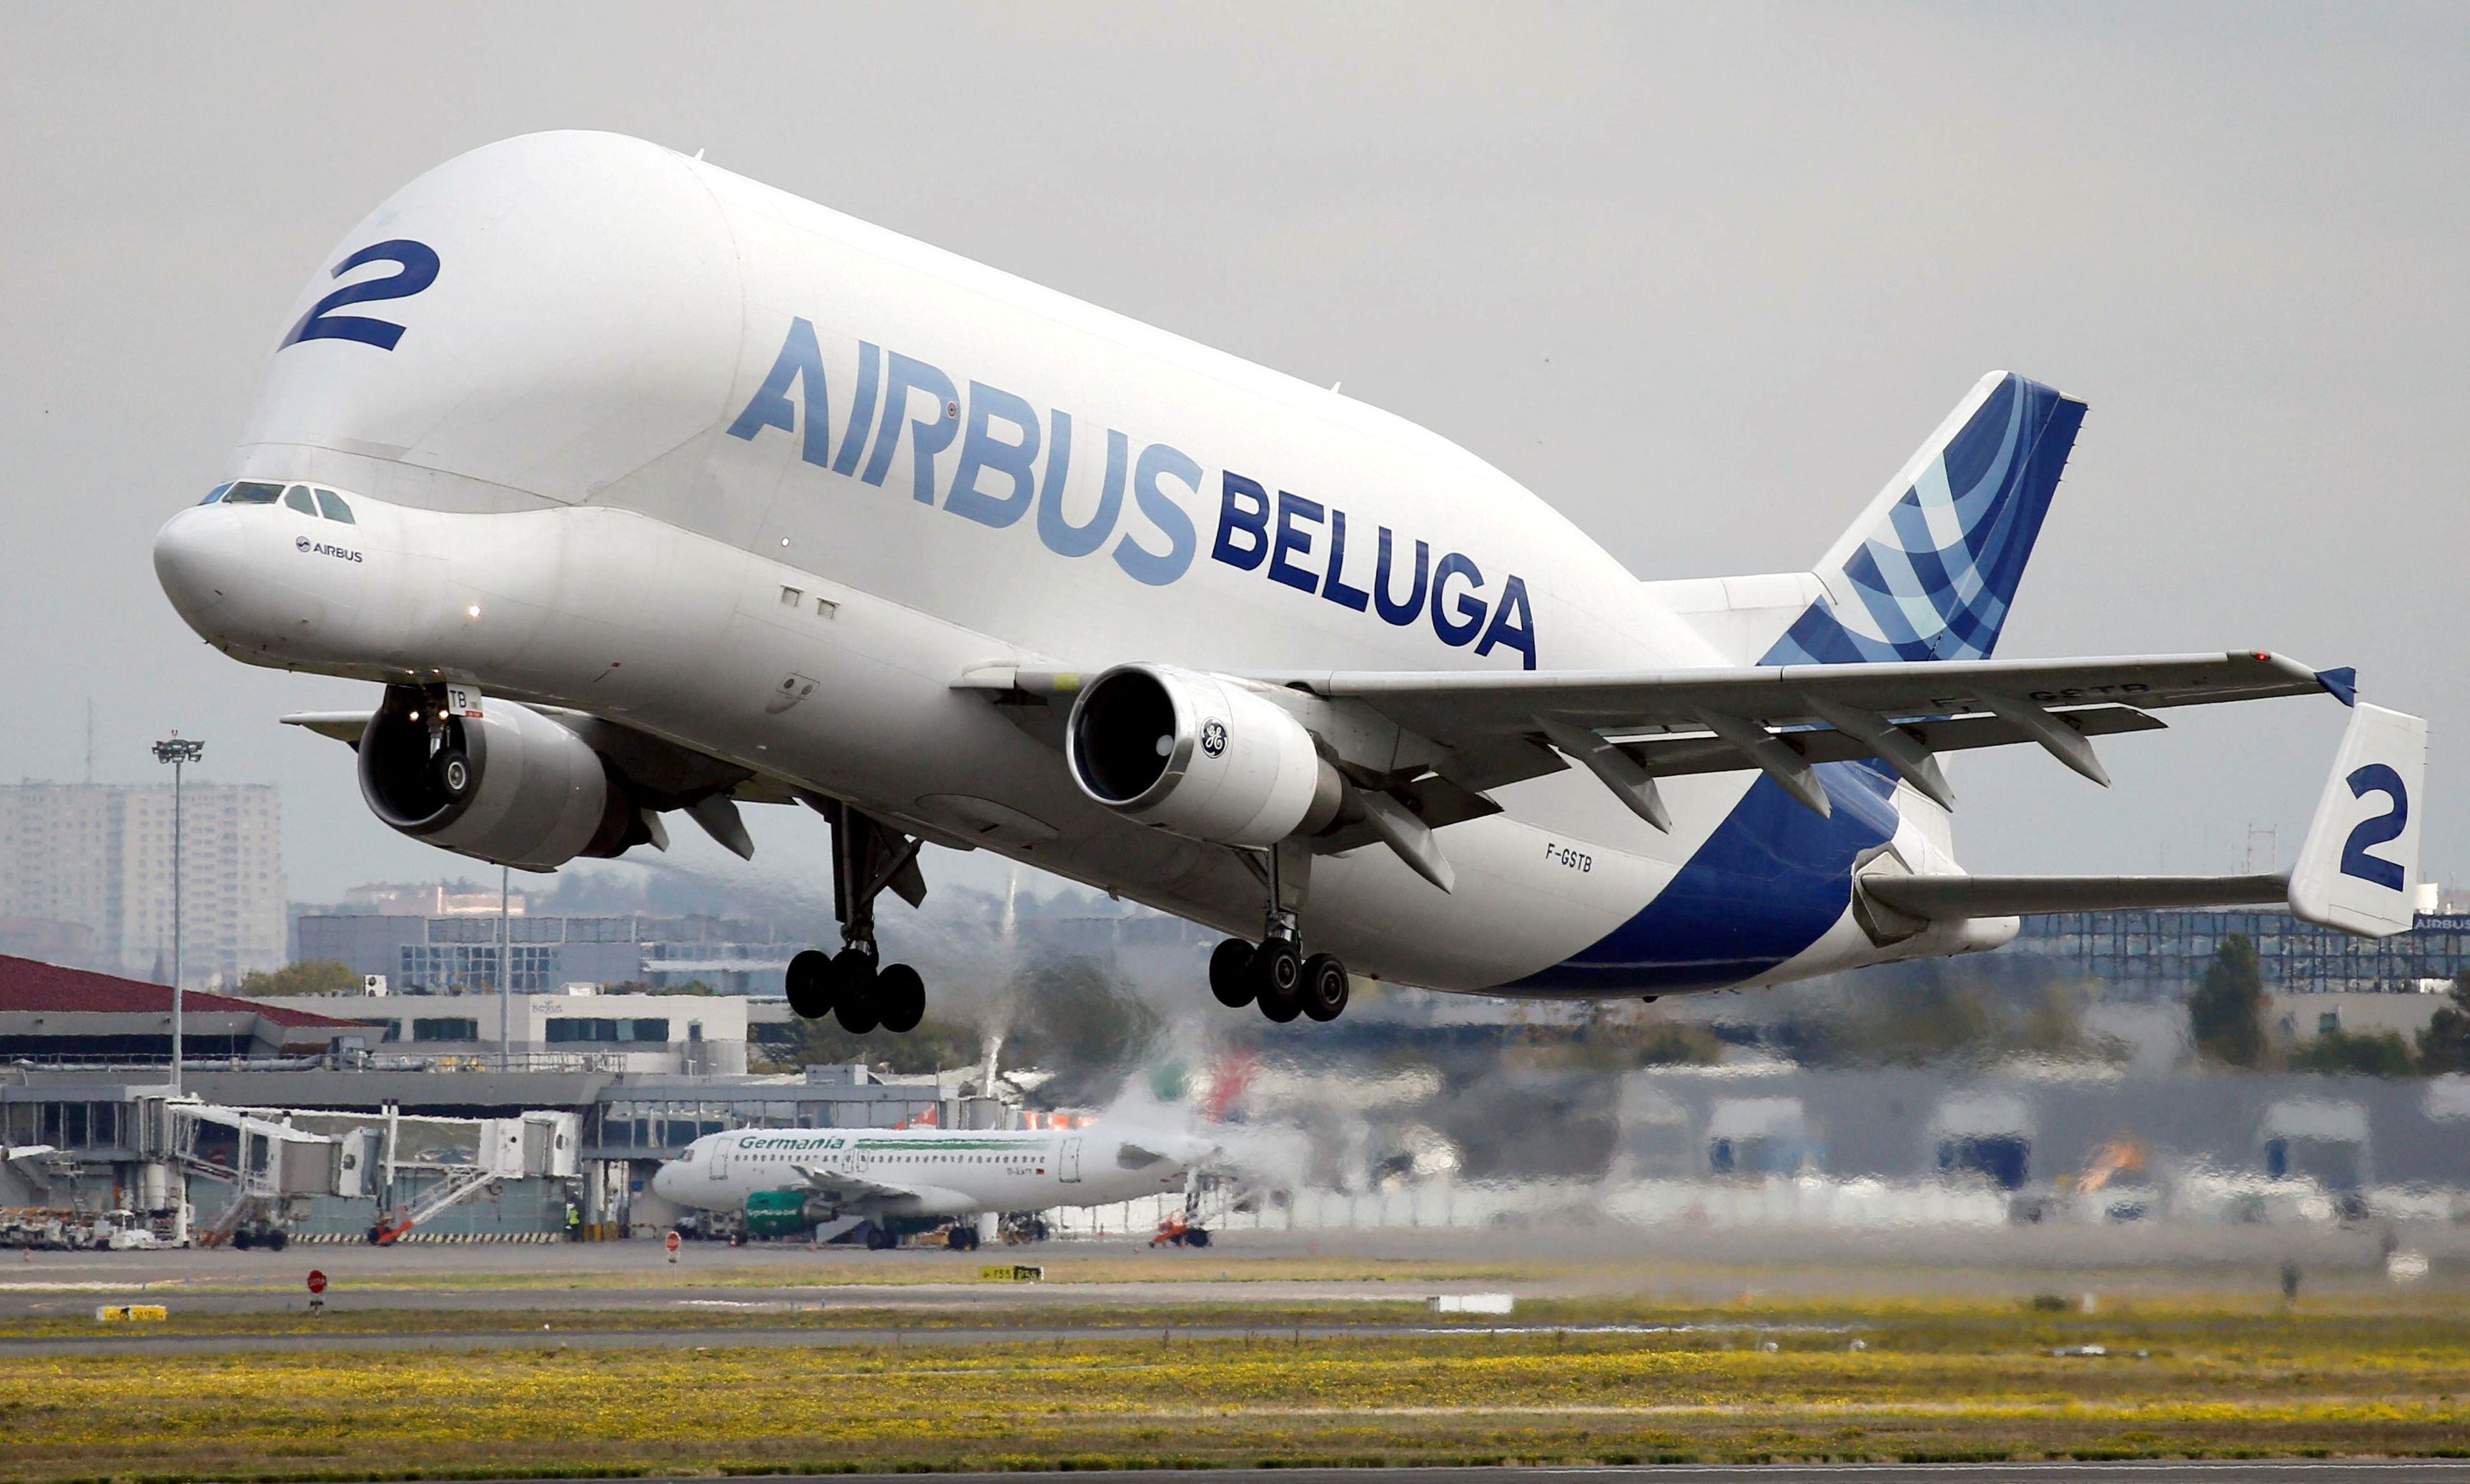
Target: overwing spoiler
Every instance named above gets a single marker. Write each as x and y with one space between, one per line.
2357 871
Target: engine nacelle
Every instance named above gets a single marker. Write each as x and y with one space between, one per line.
1199 755
510 787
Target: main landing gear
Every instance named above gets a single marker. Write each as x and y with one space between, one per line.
853 985
1275 975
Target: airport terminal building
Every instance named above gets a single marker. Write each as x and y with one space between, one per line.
2163 954
438 954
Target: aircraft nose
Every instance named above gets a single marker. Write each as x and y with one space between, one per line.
196 558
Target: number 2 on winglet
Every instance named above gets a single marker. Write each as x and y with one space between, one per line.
2375 830
419 270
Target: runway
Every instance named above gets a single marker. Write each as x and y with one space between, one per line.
553 1336
1290 1267
2300 1471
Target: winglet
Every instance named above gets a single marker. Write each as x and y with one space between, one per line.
2342 684
2357 870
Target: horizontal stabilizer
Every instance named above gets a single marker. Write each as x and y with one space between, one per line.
1948 898
2355 871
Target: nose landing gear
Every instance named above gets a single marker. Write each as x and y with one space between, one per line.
1275 976
852 985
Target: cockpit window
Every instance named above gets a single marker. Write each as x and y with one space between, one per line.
333 504
215 493
250 491
297 498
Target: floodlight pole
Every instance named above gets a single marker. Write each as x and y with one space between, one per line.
505 973
180 752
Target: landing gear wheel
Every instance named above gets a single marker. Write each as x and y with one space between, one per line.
899 999
877 1240
853 991
810 986
962 1238
1323 991
1277 979
1231 974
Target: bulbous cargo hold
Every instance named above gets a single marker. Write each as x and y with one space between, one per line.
549 321
510 786
1199 755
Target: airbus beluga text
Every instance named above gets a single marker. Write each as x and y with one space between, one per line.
642 488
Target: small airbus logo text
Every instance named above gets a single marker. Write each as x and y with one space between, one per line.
308 548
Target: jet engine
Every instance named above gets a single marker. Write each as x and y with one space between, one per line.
510 786
1199 755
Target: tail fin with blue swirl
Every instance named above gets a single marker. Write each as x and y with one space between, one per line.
1928 570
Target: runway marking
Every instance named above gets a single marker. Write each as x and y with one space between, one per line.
141 1287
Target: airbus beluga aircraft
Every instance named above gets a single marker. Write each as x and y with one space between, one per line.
642 488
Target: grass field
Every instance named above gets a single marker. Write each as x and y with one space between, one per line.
1733 1381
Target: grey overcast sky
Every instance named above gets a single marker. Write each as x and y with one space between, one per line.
1703 277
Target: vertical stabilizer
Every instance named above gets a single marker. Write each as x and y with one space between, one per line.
1928 570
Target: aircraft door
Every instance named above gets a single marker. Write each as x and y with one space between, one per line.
1070 1161
720 1159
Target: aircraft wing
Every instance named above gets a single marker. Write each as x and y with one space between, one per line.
664 775
344 727
2357 869
1632 727
1463 702
849 1189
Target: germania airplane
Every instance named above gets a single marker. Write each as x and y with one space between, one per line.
640 487
867 1183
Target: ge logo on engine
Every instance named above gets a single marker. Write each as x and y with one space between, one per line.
1213 738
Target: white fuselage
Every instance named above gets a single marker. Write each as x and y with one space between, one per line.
926 1172
657 443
